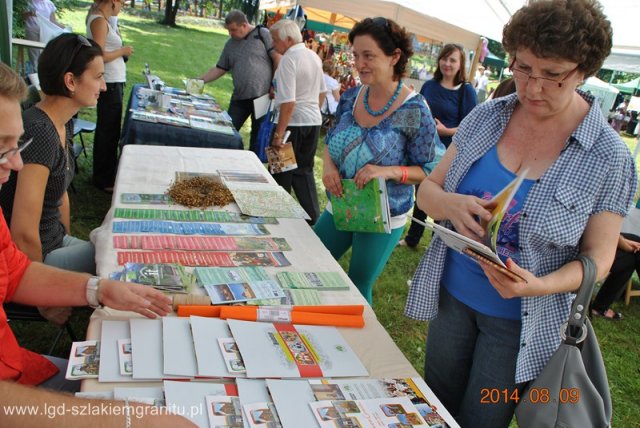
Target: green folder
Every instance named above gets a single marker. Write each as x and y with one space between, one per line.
362 210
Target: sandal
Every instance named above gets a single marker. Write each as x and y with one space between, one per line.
617 316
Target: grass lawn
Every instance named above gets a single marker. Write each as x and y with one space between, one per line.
177 53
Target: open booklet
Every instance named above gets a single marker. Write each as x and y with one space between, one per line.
484 252
501 202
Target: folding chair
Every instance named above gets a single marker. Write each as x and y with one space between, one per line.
18 312
80 126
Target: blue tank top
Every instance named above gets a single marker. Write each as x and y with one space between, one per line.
463 277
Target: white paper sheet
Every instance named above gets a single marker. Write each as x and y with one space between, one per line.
177 344
261 105
109 363
188 398
146 349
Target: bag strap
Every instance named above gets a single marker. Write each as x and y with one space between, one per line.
575 328
460 100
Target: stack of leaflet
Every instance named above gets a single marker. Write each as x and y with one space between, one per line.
186 348
376 403
164 277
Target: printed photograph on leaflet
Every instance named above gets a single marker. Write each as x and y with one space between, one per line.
414 389
394 412
224 411
84 360
243 291
294 351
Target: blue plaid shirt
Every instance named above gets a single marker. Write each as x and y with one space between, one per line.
594 173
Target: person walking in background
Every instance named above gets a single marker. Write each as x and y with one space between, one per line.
35 201
383 129
46 9
626 261
481 89
109 112
487 330
450 98
299 93
333 89
251 59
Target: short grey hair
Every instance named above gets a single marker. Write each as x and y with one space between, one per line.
287 29
235 17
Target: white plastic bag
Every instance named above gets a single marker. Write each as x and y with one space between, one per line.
49 30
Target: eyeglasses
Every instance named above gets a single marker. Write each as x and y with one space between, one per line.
4 157
523 77
381 22
80 42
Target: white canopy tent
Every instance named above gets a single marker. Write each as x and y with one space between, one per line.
605 93
464 21
438 20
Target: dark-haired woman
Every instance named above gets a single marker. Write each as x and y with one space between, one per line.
383 129
35 200
488 331
451 99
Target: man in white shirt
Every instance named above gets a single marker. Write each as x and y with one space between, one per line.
299 93
481 89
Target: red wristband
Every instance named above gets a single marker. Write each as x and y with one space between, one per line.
405 174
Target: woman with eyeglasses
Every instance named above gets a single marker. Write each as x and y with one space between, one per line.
383 129
489 332
101 28
450 98
35 201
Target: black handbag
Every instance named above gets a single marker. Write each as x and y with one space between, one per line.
572 390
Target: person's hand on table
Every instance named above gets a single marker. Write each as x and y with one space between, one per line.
127 296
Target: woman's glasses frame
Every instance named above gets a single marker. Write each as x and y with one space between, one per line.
546 82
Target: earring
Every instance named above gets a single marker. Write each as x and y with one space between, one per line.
73 93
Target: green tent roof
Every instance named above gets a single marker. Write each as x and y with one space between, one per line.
628 87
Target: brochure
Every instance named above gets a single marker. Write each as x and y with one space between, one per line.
265 200
282 159
469 247
294 351
315 280
415 389
188 215
224 411
124 357
243 291
362 210
502 203
164 277
373 413
84 360
219 275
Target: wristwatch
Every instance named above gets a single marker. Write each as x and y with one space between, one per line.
93 285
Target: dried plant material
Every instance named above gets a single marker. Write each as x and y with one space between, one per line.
200 192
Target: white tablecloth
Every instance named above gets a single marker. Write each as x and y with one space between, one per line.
151 169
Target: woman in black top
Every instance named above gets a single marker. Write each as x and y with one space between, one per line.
35 200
